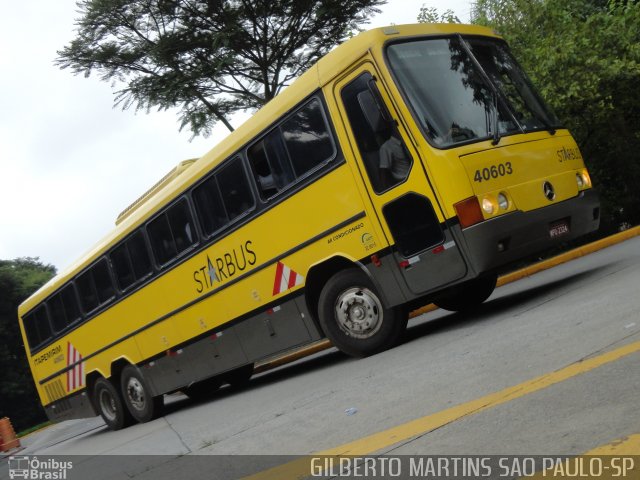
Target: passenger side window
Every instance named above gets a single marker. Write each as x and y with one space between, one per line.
182 226
307 138
95 287
37 327
271 165
211 210
385 157
162 243
87 291
172 233
139 255
131 261
235 190
102 279
223 197
122 267
58 317
64 308
301 143
70 302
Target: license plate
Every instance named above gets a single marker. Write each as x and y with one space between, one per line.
558 229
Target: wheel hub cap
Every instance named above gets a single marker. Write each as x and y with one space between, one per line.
359 312
135 392
107 405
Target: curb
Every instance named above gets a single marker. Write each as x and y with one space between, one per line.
570 255
565 257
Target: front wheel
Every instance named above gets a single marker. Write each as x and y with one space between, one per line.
137 395
354 317
467 295
110 405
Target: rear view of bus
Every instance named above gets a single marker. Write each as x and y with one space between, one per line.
511 181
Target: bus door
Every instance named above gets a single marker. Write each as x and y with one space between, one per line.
397 184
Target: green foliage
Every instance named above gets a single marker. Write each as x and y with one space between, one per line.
19 401
27 431
584 56
209 58
432 15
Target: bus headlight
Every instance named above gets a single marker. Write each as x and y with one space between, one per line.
488 205
503 201
583 179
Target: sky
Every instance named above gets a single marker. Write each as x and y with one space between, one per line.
69 160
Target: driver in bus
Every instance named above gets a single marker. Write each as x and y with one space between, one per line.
394 162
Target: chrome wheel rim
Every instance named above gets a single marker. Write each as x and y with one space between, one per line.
358 312
135 393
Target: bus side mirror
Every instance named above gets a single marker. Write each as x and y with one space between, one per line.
376 115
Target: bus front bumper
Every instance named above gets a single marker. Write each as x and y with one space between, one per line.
509 238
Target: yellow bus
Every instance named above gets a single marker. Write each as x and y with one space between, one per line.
408 165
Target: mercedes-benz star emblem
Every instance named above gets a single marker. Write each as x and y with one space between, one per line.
549 192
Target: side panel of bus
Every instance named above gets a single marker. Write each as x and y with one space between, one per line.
234 302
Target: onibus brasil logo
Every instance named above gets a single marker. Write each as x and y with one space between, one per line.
35 469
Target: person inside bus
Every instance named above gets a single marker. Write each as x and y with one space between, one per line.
394 163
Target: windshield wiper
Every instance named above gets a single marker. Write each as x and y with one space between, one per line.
496 119
545 122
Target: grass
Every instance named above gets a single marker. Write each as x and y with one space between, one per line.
29 430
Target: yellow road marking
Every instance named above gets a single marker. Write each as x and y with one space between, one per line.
625 446
386 438
425 424
616 459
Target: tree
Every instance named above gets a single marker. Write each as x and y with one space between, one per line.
19 278
209 58
432 15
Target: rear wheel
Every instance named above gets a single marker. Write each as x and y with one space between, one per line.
467 295
353 316
110 405
137 395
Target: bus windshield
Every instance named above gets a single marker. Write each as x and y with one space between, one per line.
467 89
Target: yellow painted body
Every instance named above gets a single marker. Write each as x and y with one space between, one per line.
176 307
537 157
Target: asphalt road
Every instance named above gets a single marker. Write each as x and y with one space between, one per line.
548 365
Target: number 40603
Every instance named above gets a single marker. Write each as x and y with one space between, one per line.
494 171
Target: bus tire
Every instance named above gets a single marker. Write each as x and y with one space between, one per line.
137 396
354 317
110 405
467 295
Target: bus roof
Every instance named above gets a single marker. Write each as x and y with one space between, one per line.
329 66
174 173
